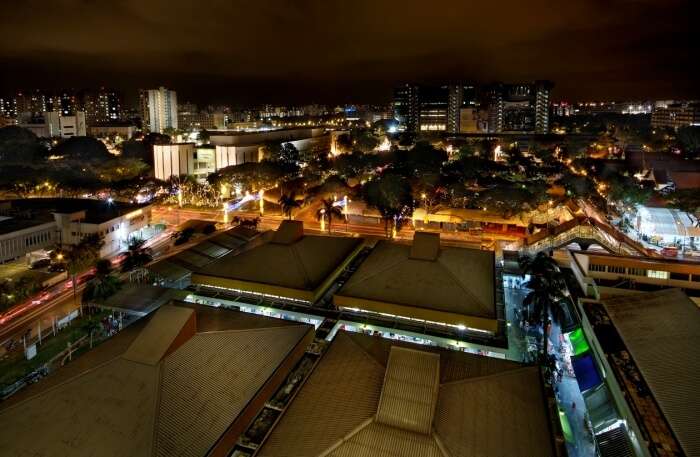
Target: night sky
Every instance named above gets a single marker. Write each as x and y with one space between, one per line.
331 51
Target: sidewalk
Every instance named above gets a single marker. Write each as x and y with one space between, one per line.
580 443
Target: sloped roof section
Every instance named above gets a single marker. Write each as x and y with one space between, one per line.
410 390
107 411
501 414
379 440
194 412
459 280
302 264
340 395
154 342
660 330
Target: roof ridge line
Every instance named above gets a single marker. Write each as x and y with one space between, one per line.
364 352
459 283
245 330
304 272
489 376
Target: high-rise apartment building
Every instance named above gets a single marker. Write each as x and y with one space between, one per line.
102 106
522 107
159 109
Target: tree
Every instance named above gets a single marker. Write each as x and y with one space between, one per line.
627 190
282 153
204 136
689 140
364 140
288 202
136 255
391 195
19 145
91 326
687 200
104 285
82 149
328 211
343 143
82 256
251 176
543 302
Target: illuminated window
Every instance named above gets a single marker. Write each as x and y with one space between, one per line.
658 274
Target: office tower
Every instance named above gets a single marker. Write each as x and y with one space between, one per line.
676 115
159 109
522 107
459 97
406 107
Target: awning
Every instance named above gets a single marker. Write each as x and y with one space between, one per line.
578 341
586 373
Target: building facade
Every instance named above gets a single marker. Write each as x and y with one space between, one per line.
102 106
676 115
520 108
159 109
37 224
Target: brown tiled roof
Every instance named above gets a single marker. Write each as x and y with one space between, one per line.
149 398
496 406
498 415
341 394
660 330
458 280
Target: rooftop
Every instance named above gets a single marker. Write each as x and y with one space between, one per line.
660 329
425 281
96 211
289 261
173 389
375 397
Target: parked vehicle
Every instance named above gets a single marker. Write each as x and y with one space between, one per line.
41 263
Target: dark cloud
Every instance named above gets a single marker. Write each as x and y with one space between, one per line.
296 50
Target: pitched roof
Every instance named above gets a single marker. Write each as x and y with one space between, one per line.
178 405
660 330
338 412
458 280
301 264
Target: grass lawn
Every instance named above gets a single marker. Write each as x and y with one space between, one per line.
16 366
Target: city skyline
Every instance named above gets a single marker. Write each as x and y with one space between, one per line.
337 54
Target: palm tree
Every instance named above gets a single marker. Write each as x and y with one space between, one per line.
288 203
327 211
105 283
91 326
544 301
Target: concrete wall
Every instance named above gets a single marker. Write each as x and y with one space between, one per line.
173 160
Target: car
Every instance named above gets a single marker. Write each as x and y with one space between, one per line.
57 267
41 263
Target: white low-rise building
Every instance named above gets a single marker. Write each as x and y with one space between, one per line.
34 224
